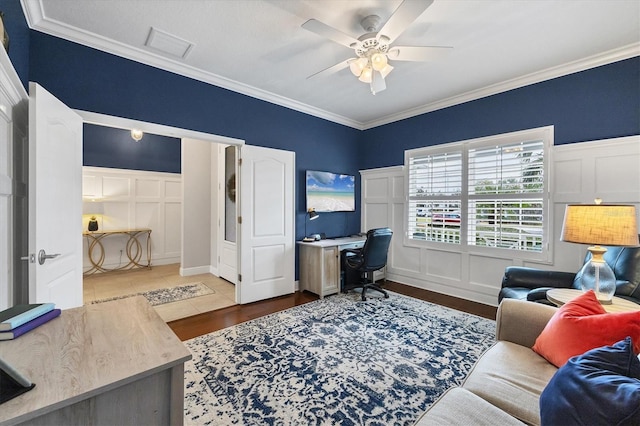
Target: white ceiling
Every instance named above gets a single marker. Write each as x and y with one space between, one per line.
258 48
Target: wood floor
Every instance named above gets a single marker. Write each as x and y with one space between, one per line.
197 325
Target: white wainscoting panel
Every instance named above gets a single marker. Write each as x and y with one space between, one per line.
136 199
608 169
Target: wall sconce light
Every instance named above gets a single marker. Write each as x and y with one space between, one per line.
136 134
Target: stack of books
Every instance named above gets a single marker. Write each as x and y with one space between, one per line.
16 321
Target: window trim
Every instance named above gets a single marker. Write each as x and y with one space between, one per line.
546 134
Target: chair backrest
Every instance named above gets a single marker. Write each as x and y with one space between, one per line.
374 252
625 263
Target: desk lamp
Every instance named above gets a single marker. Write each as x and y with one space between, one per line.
596 224
312 216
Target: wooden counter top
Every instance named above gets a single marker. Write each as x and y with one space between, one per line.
89 351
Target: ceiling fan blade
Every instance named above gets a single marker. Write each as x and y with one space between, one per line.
405 14
333 69
377 83
418 53
331 33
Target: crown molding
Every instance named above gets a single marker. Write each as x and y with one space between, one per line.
594 61
36 20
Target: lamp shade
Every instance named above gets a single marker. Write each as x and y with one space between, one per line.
92 207
600 224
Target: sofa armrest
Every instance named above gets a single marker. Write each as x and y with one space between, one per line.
521 322
519 276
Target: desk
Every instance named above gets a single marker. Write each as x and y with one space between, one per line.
320 264
111 363
133 249
560 296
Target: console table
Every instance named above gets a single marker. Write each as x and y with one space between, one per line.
320 264
111 363
133 249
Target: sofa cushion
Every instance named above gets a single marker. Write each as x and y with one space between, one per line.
582 324
458 406
601 386
511 377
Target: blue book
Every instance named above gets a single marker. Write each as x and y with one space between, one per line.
28 326
20 314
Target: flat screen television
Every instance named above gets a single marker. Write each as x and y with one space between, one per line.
330 192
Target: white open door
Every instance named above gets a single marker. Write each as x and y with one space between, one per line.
55 201
266 207
228 222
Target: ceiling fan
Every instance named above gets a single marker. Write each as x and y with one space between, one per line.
373 49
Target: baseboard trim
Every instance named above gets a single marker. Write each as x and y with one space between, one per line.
196 270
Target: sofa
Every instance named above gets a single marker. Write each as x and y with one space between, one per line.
505 384
598 381
532 284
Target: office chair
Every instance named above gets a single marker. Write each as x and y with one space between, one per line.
371 257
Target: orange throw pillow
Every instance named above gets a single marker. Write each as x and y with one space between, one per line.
582 324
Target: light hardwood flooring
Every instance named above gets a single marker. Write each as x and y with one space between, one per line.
121 283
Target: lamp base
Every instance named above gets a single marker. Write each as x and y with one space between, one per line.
597 275
93 225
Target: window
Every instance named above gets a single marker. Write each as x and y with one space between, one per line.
489 192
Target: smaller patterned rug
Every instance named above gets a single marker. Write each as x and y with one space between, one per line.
168 295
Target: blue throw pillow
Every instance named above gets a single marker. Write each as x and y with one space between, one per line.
599 387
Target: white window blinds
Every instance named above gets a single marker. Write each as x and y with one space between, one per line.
488 192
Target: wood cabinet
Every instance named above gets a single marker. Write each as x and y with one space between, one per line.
104 364
320 264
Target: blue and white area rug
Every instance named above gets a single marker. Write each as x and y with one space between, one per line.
333 361
168 295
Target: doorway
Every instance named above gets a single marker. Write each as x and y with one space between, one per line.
265 191
191 218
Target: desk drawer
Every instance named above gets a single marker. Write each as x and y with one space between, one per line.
352 246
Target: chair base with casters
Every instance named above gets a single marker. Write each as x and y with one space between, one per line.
359 265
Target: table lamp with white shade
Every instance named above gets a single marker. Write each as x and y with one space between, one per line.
600 224
93 208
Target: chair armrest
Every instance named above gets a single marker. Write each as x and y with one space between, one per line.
518 276
522 322
539 294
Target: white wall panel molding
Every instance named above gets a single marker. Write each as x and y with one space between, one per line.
580 172
136 199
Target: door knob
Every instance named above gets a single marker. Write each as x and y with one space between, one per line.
43 256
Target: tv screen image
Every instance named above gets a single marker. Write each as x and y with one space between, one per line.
330 192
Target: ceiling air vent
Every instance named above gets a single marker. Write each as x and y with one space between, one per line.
169 44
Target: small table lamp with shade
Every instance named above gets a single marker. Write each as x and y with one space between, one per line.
600 224
93 208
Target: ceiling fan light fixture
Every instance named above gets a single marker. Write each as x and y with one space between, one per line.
357 66
366 75
378 61
386 70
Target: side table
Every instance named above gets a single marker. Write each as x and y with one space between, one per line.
560 296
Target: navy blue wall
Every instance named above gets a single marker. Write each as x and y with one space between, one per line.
114 148
599 103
